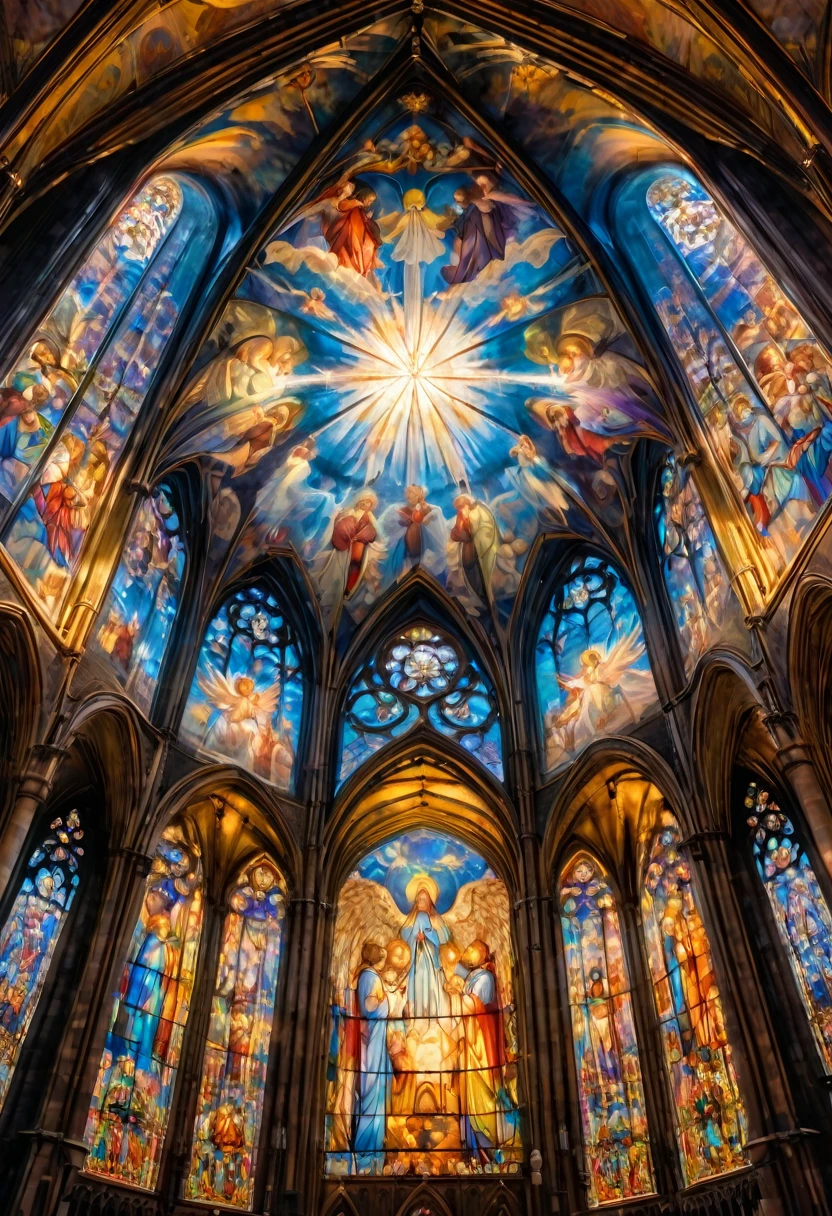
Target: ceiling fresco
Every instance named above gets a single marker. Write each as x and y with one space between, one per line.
796 26
419 369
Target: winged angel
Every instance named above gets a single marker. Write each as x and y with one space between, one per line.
608 692
240 724
423 1049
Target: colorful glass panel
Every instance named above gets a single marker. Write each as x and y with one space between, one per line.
709 1113
139 611
43 382
800 910
247 693
422 1060
613 1117
47 534
421 676
130 1107
31 932
704 605
760 376
593 674
237 1051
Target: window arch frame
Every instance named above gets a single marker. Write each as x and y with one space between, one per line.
569 858
278 576
552 579
368 658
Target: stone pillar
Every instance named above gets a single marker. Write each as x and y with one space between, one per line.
34 789
797 767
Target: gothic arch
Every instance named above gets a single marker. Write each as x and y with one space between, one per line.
424 1198
20 696
810 655
108 730
419 785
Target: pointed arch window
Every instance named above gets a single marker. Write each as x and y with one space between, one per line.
246 697
31 932
73 398
137 617
131 1103
230 1108
421 675
708 1108
704 604
756 369
421 1075
613 1116
593 674
802 915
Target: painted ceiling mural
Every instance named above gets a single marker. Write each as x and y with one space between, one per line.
322 85
507 81
418 369
31 26
796 26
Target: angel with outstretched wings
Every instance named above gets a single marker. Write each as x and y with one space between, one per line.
239 722
609 692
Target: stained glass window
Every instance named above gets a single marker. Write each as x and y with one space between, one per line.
421 676
613 1116
593 675
31 932
704 605
237 1051
246 698
422 1058
138 614
59 495
130 1107
709 1113
760 376
800 910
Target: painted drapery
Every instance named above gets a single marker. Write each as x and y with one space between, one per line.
138 614
237 1051
422 1059
593 674
349 388
708 1108
131 1102
62 495
758 373
31 932
420 675
800 910
705 607
613 1115
247 693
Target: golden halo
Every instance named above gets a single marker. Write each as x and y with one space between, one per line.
422 882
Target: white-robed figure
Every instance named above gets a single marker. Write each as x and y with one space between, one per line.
425 931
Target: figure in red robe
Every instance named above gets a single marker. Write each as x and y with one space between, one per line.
354 236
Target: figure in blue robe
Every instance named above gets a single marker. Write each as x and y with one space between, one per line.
375 1077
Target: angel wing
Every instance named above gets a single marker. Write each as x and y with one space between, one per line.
366 912
626 651
218 689
481 912
242 319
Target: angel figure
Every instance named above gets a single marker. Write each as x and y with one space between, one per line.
252 433
417 232
472 552
346 223
348 566
415 534
287 500
239 724
607 694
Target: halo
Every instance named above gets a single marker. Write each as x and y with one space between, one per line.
422 882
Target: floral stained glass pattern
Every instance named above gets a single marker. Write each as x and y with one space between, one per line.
31 932
704 605
130 1107
45 380
421 676
246 698
708 1108
593 675
47 534
800 910
422 1061
613 1116
140 609
237 1051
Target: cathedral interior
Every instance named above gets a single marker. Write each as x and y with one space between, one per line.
415 607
